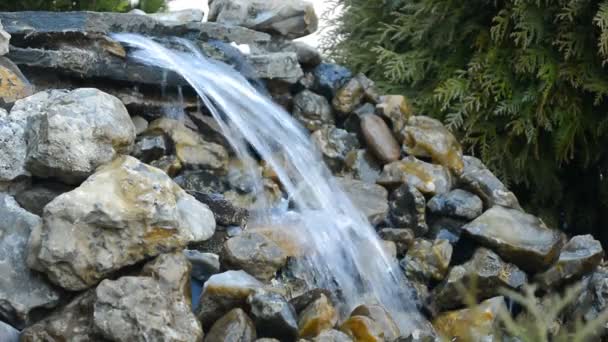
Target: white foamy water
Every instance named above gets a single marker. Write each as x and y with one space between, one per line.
343 252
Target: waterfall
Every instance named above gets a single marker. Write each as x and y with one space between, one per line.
343 252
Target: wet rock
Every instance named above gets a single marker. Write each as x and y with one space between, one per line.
13 84
190 148
56 119
149 148
280 66
307 55
407 208
397 110
225 213
180 17
348 97
21 290
312 110
428 260
486 272
253 253
329 78
170 165
429 178
8 333
427 137
592 301
371 199
390 248
4 41
335 143
302 301
240 177
318 316
362 328
403 238
291 19
273 316
200 181
332 336
223 292
34 199
204 265
141 211
381 318
456 203
140 124
363 166
479 180
270 195
352 123
234 326
476 324
446 228
581 255
13 148
517 237
379 139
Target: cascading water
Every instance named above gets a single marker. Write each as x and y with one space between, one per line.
343 252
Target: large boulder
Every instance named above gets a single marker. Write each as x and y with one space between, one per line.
126 206
22 291
517 237
71 133
289 18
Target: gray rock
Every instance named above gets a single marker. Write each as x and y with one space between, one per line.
180 17
204 265
396 110
140 124
402 237
21 290
305 299
224 211
234 326
281 66
125 205
332 336
255 254
592 301
352 123
479 180
370 199
8 333
334 144
14 85
329 78
348 97
4 41
456 203
517 237
273 316
429 178
34 199
57 119
486 271
307 55
312 110
200 181
149 147
581 255
171 165
428 260
291 19
379 139
13 148
407 209
362 165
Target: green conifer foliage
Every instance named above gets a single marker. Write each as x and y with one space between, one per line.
523 82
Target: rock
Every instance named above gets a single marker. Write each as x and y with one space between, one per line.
332 336
181 17
446 228
13 84
334 144
200 181
140 124
234 326
291 19
581 255
253 253
318 316
370 199
329 78
352 123
141 211
307 55
381 318
477 179
390 248
379 139
456 203
486 272
312 110
281 66
302 301
225 213
403 238
363 166
427 137
13 148
397 110
348 97
362 328
8 333
223 292
190 148
429 178
270 196
517 237
150 147
204 265
592 301
428 260
56 119
407 208
4 41
22 292
273 316
34 199
148 308
476 324
170 165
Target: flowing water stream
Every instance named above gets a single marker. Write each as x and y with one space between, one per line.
343 253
